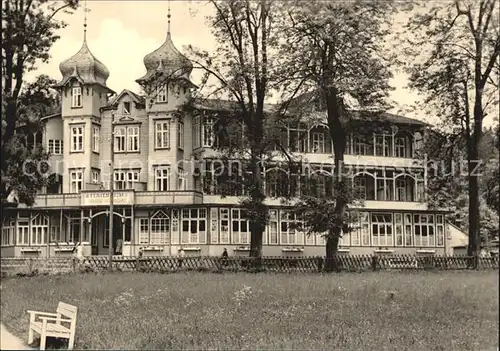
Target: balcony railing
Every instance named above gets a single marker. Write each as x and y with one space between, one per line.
139 198
168 197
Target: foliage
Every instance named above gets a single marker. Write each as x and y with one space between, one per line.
447 180
248 311
29 30
333 52
242 68
25 170
458 75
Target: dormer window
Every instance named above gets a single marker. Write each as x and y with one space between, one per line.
161 95
76 97
126 108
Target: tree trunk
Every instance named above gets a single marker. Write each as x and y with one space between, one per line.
332 244
338 136
474 162
257 222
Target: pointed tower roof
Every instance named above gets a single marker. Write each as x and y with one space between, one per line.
84 66
167 60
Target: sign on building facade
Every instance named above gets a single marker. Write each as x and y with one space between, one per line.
101 198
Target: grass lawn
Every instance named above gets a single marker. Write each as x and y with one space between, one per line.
429 311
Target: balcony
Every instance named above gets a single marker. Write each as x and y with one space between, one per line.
57 200
121 197
168 197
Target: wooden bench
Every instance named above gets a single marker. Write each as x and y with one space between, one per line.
51 324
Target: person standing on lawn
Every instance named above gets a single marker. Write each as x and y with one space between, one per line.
224 257
182 254
78 254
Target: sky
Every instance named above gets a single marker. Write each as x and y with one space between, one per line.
121 33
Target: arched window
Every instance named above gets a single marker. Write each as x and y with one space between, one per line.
364 186
39 229
405 188
160 229
276 182
321 183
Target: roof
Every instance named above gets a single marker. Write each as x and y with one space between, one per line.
84 67
51 116
313 97
167 59
138 99
227 105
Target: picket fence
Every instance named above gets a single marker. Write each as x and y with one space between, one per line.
34 266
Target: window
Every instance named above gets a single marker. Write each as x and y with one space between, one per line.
214 227
207 132
360 186
289 233
298 139
95 177
181 185
194 226
408 230
382 145
133 139
273 227
400 146
401 190
75 228
77 139
360 147
76 180
162 93
6 234
126 139
95 138
355 233
424 230
23 232
180 136
126 179
440 230
420 192
120 135
39 229
162 175
196 132
162 133
55 147
240 227
361 233
55 234
175 227
144 231
126 108
318 143
398 226
76 97
385 186
276 181
382 229
160 229
224 226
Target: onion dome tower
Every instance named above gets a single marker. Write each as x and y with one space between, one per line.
166 65
84 67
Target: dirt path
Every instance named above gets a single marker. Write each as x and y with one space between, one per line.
11 342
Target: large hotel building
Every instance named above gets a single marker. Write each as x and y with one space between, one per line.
168 193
